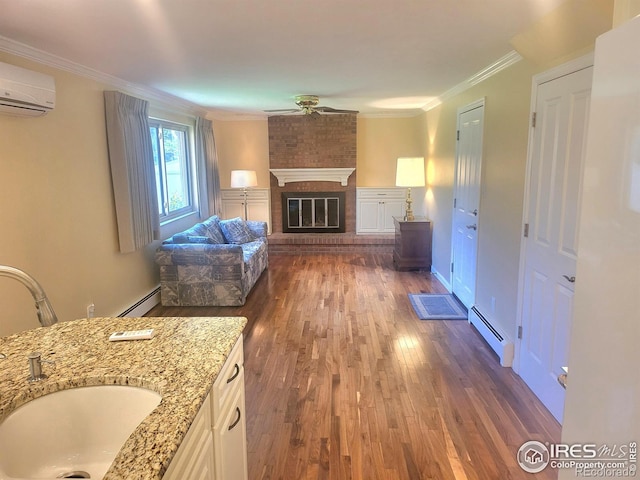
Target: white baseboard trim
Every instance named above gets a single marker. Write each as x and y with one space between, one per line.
442 280
497 340
143 305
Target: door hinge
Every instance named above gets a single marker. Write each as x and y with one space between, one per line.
458 135
533 119
526 230
455 202
520 332
451 267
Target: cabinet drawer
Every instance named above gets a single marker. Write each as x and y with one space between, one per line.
252 193
381 193
230 375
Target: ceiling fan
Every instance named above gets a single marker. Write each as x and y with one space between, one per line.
309 106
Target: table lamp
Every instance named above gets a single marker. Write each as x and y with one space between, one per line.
410 173
243 179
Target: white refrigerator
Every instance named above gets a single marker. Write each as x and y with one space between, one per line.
602 404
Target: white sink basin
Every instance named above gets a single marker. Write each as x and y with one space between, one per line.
76 430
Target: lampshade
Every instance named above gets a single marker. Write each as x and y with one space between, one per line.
243 178
410 172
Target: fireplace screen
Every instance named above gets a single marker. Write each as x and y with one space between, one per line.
313 212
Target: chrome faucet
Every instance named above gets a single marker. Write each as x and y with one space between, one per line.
46 315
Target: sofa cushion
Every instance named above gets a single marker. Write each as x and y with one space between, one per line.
188 237
197 229
235 230
199 239
213 230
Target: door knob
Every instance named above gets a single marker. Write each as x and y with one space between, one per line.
472 227
570 279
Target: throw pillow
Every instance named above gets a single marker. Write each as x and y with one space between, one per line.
235 230
214 231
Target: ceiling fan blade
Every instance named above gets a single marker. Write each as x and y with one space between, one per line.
334 110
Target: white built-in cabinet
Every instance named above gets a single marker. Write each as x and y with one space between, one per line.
376 207
258 204
215 447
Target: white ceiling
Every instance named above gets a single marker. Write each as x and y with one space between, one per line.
247 56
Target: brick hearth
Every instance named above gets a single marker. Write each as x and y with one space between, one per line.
303 243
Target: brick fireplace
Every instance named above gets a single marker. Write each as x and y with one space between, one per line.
313 142
325 145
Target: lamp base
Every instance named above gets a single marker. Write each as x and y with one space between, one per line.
408 214
245 204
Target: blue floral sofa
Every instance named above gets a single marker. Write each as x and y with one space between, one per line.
215 262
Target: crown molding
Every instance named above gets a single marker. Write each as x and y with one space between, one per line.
22 50
25 51
504 62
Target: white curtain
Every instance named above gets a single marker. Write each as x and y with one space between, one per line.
132 170
208 174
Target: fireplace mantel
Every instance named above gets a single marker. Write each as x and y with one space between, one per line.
288 175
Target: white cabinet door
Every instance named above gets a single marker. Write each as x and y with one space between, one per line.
230 438
368 216
215 447
229 379
259 210
258 204
232 208
391 208
376 208
194 458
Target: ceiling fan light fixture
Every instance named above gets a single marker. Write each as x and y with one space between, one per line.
308 105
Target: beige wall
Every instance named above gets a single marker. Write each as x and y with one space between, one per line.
507 100
380 142
242 145
506 127
440 128
57 215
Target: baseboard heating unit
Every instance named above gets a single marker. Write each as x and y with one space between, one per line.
142 306
497 340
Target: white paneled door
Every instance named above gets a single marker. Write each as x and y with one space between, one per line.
551 231
467 202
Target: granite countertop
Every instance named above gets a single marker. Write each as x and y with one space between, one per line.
181 362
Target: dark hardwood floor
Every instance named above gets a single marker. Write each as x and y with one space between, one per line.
344 382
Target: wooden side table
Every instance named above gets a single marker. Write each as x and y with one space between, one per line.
412 249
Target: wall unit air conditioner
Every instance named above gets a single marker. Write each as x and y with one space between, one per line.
25 93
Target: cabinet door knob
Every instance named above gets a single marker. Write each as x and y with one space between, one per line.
472 227
570 279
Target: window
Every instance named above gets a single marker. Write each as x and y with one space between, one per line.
173 167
